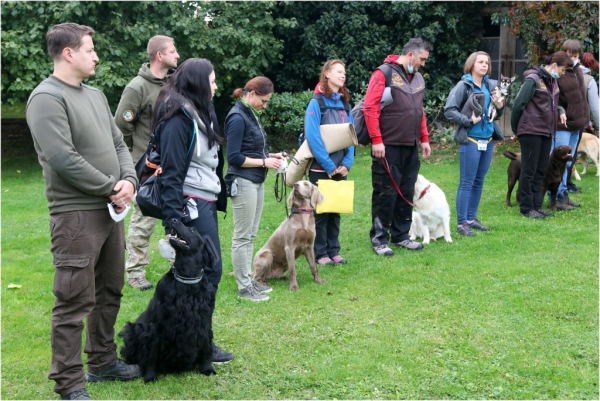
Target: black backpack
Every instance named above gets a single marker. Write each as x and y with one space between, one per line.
324 108
358 114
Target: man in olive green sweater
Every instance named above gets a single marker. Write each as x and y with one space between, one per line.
133 117
86 165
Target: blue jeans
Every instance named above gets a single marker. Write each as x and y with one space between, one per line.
474 165
565 138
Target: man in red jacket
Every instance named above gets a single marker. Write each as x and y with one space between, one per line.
396 132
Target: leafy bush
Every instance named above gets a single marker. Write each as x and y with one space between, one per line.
284 119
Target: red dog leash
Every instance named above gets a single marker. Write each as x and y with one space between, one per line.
387 168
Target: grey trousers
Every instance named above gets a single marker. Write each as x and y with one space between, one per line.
247 209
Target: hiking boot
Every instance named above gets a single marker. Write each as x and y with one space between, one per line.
545 213
140 283
118 371
325 261
409 244
569 201
261 287
219 356
562 206
533 214
80 394
464 229
383 250
338 260
476 224
252 294
574 189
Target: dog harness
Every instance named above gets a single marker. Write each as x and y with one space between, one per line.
424 191
301 210
187 280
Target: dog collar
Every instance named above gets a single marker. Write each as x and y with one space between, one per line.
424 191
301 210
187 280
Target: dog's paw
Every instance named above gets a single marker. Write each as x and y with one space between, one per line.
208 371
150 379
448 239
294 287
320 280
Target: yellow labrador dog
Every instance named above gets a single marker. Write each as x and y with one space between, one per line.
589 146
294 237
432 218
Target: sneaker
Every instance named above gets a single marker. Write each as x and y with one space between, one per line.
545 213
533 214
140 283
574 189
383 250
570 202
219 356
562 206
325 261
409 244
252 294
80 394
464 229
118 371
338 260
261 287
476 224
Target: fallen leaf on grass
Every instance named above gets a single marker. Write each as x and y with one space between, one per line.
371 322
328 293
230 274
14 286
18 171
6 190
354 298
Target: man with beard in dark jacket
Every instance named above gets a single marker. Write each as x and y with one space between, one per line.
395 134
133 117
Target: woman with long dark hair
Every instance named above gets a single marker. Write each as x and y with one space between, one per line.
249 158
534 118
189 143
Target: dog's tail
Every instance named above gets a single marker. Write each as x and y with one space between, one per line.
510 155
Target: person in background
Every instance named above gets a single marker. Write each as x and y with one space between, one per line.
86 166
395 134
328 166
588 63
534 118
249 159
477 148
573 100
189 143
133 117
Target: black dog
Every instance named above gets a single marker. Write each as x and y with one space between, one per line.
555 171
513 171
174 333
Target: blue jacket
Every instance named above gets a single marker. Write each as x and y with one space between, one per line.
323 159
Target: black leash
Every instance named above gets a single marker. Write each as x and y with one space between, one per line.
280 187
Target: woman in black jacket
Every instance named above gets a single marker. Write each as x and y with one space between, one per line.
189 144
249 159
534 117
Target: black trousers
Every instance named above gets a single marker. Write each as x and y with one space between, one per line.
391 214
535 154
327 225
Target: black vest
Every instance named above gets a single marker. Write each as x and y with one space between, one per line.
540 113
254 144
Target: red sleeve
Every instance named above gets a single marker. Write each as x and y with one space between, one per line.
424 132
372 106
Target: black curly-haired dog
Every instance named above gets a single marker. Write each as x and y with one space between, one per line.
174 333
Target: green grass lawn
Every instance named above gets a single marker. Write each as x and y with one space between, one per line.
506 314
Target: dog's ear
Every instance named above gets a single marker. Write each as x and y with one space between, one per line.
290 199
316 196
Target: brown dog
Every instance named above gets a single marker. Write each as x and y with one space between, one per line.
555 171
294 237
513 172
